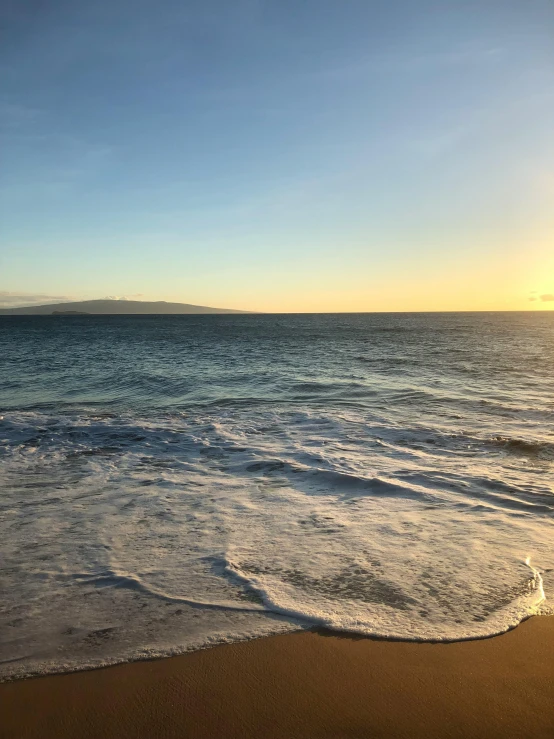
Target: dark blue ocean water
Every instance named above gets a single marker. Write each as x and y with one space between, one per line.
174 481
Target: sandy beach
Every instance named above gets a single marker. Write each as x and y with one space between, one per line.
304 685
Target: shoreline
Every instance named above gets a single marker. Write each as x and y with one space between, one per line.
303 684
202 646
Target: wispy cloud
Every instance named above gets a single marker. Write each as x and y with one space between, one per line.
14 116
548 298
412 60
43 158
134 296
16 300
445 140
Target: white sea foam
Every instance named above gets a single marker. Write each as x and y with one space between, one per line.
126 537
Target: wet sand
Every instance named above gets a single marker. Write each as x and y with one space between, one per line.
304 685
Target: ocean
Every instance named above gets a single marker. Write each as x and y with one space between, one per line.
173 482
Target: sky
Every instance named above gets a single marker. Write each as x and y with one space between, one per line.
278 155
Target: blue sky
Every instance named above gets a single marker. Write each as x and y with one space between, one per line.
279 155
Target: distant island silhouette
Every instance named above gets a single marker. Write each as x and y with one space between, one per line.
113 307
